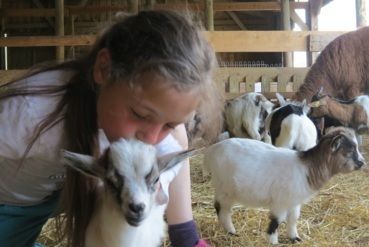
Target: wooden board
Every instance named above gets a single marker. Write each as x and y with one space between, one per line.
222 41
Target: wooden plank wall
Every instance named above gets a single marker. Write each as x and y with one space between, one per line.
233 81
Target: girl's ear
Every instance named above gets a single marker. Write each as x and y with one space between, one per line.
101 66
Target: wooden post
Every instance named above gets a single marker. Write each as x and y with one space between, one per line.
312 13
286 17
133 6
361 13
71 31
2 51
209 15
59 27
149 4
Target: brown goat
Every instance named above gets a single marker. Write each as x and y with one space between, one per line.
342 68
353 113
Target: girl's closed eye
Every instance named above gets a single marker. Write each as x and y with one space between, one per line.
138 115
171 126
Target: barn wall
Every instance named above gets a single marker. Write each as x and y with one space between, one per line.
20 58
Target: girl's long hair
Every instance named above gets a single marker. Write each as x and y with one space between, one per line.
165 42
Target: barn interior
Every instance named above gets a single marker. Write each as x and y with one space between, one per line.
254 42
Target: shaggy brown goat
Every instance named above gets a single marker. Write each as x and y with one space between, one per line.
342 68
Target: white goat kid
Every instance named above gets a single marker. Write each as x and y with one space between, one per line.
131 204
257 174
245 116
290 127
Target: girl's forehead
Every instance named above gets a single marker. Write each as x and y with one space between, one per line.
162 97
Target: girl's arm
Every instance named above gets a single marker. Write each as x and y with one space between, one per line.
182 228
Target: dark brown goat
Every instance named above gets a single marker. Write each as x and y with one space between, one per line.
342 68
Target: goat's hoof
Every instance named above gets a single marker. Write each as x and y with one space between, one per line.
233 234
296 239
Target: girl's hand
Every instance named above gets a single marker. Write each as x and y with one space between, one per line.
202 243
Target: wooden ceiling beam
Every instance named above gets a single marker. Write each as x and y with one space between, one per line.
90 10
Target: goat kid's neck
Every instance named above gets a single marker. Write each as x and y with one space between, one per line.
319 170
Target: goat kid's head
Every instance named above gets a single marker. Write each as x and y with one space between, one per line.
319 104
130 171
344 152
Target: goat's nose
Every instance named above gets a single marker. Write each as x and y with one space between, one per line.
136 208
360 163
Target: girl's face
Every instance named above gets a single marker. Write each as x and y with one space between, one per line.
147 112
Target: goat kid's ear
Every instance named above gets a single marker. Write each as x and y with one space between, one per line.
85 164
337 142
281 99
169 161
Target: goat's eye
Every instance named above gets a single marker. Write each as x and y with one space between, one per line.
156 180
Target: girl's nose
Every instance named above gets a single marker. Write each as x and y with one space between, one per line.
150 135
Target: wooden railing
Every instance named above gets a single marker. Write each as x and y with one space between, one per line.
236 81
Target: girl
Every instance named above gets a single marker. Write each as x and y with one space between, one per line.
143 78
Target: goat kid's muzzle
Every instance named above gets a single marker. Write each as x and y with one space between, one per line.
359 163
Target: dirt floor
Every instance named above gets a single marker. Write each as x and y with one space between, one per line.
337 216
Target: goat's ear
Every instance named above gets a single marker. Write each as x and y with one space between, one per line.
305 107
281 99
337 142
168 161
85 164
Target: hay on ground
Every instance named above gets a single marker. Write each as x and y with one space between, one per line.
337 216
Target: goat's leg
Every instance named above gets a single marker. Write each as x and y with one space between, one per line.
292 217
251 130
223 206
275 220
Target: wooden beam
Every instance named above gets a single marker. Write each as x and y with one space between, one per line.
133 6
296 19
48 19
236 20
260 41
286 25
36 41
209 15
256 6
360 13
59 27
222 41
317 42
92 10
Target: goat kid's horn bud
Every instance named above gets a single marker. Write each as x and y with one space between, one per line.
314 104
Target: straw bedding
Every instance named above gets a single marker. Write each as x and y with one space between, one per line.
337 216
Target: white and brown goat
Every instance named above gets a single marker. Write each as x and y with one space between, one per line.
257 174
